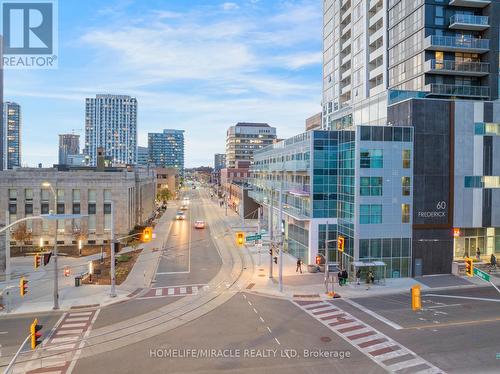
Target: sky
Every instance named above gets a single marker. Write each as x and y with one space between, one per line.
195 65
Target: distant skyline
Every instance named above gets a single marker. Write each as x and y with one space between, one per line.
199 66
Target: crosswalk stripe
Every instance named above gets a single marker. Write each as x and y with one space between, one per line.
69 332
325 311
183 290
159 292
316 307
171 291
72 325
77 319
405 364
366 339
64 340
61 347
80 314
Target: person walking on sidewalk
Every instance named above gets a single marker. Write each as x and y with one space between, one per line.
478 254
299 266
339 276
358 276
344 277
369 279
493 261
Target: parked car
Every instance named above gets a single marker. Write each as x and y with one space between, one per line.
199 225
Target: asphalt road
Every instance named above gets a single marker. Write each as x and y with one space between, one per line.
270 335
457 334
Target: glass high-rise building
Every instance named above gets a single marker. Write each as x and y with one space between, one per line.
11 135
166 149
69 144
111 123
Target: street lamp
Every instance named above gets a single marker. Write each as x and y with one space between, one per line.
56 281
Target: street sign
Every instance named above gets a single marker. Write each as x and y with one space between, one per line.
481 274
250 238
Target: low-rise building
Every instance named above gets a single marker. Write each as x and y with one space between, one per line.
167 178
88 191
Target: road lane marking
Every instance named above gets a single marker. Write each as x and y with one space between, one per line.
82 343
379 347
451 324
255 310
277 341
261 319
69 332
72 325
3 332
268 329
374 315
463 297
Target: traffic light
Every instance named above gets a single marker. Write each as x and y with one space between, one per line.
275 260
46 258
23 286
271 251
35 334
318 260
240 238
147 235
416 303
340 243
469 267
37 261
67 272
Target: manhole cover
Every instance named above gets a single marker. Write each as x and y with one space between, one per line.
326 339
262 275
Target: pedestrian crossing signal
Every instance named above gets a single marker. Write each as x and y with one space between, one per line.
46 258
35 334
240 238
340 243
23 287
318 260
469 267
147 235
275 260
416 303
37 261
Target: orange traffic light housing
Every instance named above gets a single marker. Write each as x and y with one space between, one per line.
318 260
147 234
35 334
469 267
37 262
23 286
340 243
416 301
240 238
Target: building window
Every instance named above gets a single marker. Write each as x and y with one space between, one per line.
370 186
76 196
60 208
28 195
371 158
406 158
107 195
60 195
370 214
28 209
405 213
92 196
92 209
76 208
406 185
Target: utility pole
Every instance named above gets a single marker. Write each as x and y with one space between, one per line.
259 245
112 252
271 244
327 273
281 243
7 248
56 271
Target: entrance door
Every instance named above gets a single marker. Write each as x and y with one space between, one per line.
418 267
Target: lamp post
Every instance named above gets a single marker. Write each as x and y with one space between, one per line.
56 280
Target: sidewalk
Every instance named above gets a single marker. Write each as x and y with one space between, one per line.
40 282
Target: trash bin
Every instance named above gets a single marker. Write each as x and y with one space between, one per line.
78 281
312 268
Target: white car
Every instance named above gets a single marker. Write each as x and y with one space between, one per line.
180 216
199 225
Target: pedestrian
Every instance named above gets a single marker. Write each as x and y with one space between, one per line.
339 276
344 276
358 276
299 266
478 254
369 279
493 261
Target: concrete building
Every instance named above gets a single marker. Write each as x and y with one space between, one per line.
11 136
239 200
69 144
314 122
166 149
111 123
76 160
143 156
244 138
219 161
90 191
167 178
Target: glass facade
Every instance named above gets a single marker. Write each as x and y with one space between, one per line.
395 252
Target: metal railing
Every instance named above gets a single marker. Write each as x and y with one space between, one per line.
457 42
458 90
469 19
472 67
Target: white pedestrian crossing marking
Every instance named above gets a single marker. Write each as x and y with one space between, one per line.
171 291
374 344
64 340
183 290
70 325
159 292
69 332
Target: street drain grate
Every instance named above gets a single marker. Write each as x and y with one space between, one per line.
326 339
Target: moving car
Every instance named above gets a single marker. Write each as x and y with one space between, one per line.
199 225
180 215
184 207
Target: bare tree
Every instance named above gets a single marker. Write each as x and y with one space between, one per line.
22 234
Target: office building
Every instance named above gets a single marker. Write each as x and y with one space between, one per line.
314 122
244 138
166 149
143 156
69 144
111 123
219 161
81 190
12 122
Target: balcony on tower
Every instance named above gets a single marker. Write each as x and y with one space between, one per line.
465 68
456 44
470 3
469 22
456 90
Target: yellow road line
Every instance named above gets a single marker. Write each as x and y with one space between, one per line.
450 324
